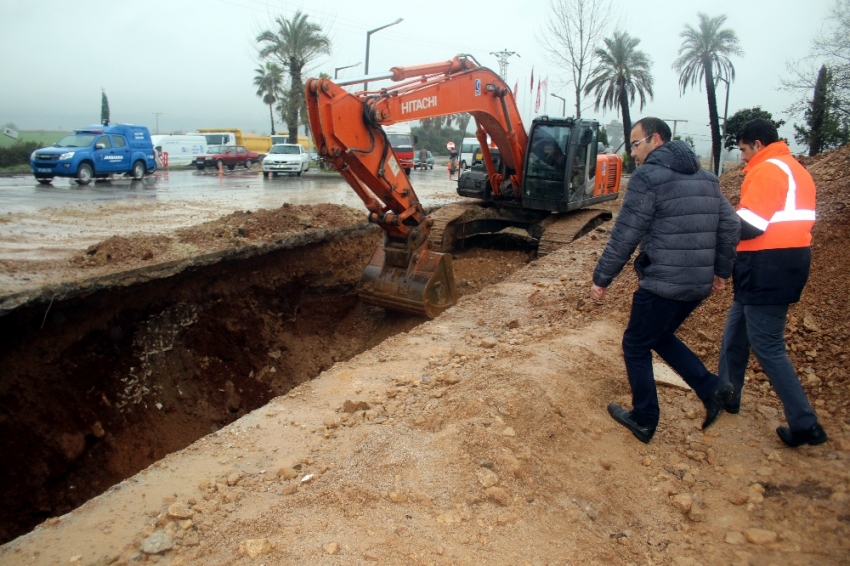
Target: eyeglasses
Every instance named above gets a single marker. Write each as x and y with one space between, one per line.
634 145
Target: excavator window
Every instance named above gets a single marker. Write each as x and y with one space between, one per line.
547 161
584 165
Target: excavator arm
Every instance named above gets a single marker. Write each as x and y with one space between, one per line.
404 273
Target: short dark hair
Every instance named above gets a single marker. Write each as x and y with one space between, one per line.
651 126
757 129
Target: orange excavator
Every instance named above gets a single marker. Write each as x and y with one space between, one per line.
539 182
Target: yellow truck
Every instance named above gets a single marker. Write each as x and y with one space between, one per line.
233 136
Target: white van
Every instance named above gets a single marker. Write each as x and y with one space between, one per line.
179 149
467 152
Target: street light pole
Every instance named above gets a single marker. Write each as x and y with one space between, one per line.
157 114
338 69
563 103
368 37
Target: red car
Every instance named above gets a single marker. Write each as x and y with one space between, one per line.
227 156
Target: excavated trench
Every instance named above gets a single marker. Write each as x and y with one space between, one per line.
100 385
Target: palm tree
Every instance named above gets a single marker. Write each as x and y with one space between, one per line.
296 43
704 55
621 75
268 81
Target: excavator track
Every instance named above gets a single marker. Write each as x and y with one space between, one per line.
443 232
458 221
569 227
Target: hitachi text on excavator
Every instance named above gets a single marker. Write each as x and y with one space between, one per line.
539 180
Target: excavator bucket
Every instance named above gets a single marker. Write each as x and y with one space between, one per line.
425 286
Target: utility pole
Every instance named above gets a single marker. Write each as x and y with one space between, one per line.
674 124
157 114
502 56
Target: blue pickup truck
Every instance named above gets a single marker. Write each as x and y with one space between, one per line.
96 152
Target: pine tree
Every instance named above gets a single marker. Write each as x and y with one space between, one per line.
825 127
104 108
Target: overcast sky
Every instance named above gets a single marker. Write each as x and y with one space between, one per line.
193 61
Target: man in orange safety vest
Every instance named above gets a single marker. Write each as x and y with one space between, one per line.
777 212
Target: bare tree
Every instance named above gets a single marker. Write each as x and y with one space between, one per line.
574 30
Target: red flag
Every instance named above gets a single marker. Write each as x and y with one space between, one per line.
531 86
516 86
537 103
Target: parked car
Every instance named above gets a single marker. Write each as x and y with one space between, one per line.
209 150
96 152
429 162
286 158
227 156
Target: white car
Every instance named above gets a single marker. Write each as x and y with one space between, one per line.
286 158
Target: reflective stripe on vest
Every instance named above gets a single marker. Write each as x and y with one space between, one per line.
789 214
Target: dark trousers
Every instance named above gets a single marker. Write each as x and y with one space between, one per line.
763 328
652 325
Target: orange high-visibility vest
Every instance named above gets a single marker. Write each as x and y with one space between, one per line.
777 196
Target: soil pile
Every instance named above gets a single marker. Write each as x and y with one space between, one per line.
238 229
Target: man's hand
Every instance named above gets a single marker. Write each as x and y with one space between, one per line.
718 285
597 292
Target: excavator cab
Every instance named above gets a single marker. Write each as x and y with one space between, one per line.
561 165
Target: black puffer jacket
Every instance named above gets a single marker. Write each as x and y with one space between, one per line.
686 228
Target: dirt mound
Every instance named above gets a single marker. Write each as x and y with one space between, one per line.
234 230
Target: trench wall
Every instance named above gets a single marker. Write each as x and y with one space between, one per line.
100 385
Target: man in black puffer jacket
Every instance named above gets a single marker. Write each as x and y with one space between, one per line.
687 232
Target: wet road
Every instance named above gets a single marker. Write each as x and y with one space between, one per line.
47 222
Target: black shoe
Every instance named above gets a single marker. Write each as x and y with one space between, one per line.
715 402
624 417
732 407
814 436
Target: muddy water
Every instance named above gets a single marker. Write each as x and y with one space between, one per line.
47 222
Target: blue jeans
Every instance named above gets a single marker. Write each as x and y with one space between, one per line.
652 325
763 328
